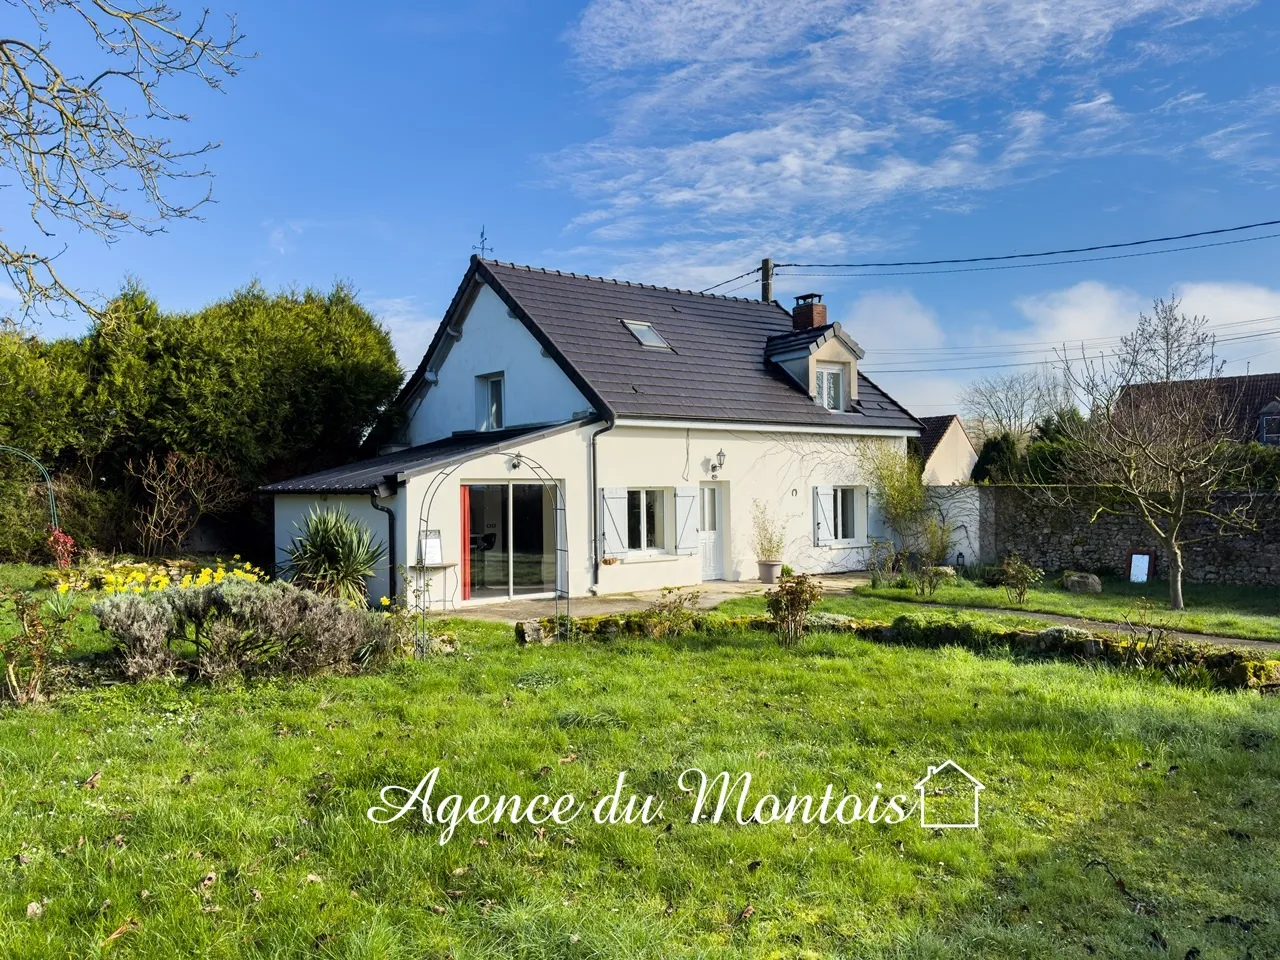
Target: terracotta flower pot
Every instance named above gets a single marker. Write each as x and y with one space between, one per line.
769 570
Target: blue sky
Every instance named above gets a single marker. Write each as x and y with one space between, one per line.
679 141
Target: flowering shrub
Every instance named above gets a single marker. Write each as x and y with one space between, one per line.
62 546
139 577
235 626
789 605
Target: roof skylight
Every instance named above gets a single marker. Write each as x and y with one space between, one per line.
646 334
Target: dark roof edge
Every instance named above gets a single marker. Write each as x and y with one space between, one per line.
398 477
497 447
628 283
479 269
888 396
780 424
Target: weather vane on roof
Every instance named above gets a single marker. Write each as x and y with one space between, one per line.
483 245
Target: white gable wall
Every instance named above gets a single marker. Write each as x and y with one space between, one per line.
493 341
953 460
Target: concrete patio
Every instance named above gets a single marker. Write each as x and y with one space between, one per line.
713 592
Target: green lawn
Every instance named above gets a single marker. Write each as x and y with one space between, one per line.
230 822
1249 612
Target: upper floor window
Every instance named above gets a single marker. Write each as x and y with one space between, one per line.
1271 429
646 334
489 402
830 386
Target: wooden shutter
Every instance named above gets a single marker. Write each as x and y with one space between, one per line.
823 531
687 520
613 521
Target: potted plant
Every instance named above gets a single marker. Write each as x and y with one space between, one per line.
767 540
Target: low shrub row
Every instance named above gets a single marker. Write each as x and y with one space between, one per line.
241 627
1188 664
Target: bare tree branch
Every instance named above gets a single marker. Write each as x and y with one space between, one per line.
1013 402
1159 441
83 149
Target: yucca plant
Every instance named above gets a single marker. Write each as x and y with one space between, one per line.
334 555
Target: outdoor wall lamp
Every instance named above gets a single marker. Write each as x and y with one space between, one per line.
719 462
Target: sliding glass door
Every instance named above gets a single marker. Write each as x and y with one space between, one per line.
510 540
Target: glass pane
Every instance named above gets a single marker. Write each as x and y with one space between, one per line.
833 391
709 501
655 525
488 547
848 511
634 510
533 538
822 387
495 403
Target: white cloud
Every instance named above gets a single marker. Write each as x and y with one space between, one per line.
764 123
1086 311
411 328
1244 316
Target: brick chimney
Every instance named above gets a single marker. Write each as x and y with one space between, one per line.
809 312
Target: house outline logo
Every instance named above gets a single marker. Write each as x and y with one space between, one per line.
920 788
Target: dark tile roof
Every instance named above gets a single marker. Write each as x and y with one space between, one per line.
716 369
1247 394
364 475
934 430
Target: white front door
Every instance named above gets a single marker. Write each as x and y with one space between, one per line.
710 520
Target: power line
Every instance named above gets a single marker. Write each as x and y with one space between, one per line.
1046 253
749 273
1042 263
1261 335
1008 256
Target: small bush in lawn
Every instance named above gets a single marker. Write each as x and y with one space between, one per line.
929 578
884 557
238 627
789 605
672 613
40 638
334 555
1018 577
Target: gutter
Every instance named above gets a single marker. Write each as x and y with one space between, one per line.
381 490
610 423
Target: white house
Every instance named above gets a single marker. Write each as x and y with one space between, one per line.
946 451
579 435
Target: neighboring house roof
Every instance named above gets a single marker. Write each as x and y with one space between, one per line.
1251 394
934 430
717 367
366 475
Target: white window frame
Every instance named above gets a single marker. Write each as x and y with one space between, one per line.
1270 427
825 372
647 335
829 508
645 492
484 407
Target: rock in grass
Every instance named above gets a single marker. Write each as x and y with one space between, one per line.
1081 582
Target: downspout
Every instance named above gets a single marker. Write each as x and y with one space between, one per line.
391 536
595 504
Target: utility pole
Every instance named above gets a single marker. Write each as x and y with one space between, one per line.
766 280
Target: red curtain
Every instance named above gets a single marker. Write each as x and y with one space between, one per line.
465 527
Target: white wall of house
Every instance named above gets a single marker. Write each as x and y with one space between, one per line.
290 519
953 459
493 341
779 469
959 506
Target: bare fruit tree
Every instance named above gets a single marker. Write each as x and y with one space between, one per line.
1160 440
87 143
177 491
1013 402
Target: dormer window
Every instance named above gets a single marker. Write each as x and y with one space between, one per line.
1270 431
489 401
830 386
646 334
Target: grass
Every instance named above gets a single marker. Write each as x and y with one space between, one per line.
229 822
1251 613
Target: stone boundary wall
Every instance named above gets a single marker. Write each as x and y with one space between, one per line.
1011 520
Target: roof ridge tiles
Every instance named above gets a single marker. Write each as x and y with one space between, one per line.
629 283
